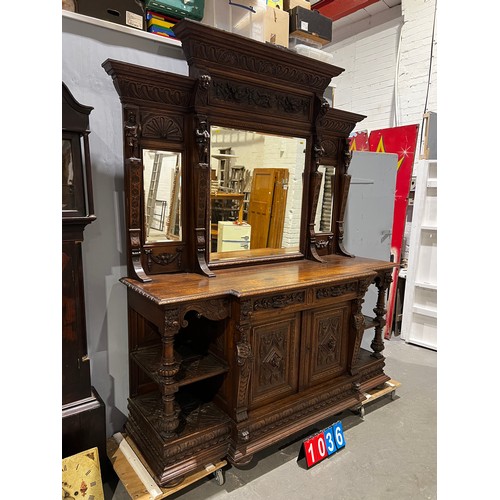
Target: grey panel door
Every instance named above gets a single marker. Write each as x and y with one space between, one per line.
370 211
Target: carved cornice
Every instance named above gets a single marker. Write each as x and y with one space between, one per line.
265 67
139 83
209 48
338 122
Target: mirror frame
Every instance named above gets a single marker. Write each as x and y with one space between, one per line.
237 83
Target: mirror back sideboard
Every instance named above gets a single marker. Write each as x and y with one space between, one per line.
232 353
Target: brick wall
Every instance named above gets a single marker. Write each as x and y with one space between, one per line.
386 65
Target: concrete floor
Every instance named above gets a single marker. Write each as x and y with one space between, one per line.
391 454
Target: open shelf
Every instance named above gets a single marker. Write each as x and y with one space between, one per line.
194 367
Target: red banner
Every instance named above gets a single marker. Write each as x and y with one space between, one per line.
403 141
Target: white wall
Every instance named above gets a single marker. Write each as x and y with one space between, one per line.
386 61
84 48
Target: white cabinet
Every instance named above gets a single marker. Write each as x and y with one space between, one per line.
419 324
232 236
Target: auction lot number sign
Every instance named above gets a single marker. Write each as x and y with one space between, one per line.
323 444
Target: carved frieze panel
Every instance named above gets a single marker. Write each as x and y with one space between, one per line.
336 290
279 301
165 260
154 92
250 96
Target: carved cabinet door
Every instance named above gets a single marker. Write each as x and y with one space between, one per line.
324 344
275 345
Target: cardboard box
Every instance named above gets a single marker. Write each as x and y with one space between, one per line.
276 26
126 12
310 24
288 5
275 3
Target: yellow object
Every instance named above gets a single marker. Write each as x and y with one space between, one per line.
81 476
275 3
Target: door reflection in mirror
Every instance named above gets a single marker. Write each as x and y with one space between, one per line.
256 193
162 195
324 212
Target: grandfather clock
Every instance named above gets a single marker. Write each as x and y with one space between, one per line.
83 411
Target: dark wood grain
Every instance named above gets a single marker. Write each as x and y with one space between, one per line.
276 337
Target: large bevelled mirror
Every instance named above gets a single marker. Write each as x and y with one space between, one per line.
162 195
255 193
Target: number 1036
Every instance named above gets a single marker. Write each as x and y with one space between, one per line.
324 444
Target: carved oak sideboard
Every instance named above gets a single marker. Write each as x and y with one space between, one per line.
231 352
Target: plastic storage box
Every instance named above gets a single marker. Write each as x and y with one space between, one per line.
178 9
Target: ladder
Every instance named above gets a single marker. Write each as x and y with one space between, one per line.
153 190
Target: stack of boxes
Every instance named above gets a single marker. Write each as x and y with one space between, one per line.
308 25
280 22
162 15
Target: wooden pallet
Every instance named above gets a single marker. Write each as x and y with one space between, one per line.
137 478
389 387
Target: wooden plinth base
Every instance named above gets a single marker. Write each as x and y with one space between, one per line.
137 477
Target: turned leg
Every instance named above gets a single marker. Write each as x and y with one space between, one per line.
168 370
382 283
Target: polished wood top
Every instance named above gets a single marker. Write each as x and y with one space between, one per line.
250 281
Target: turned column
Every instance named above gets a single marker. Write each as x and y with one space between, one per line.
169 368
382 282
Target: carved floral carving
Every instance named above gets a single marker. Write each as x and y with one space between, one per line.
336 290
257 97
278 301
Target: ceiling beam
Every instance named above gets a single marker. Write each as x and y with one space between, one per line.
335 9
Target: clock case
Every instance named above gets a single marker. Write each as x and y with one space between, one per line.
83 411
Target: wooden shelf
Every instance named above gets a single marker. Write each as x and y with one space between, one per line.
370 322
196 417
121 28
194 367
429 286
425 311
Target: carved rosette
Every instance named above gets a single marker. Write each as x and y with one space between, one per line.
382 282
